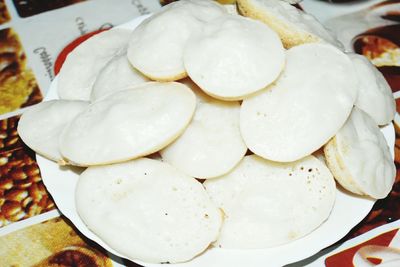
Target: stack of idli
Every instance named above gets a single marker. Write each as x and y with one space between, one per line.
234 105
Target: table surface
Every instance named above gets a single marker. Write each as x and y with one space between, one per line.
36 35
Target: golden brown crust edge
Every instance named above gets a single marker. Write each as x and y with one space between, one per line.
289 36
338 168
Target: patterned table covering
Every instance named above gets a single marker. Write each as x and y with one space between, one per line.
34 38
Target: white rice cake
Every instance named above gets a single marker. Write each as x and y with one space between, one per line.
359 157
292 2
212 144
147 210
268 204
234 57
117 75
83 64
375 95
40 126
128 124
306 106
156 46
231 8
293 25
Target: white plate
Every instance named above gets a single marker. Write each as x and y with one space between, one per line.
348 211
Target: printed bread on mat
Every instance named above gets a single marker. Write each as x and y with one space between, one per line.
9 138
22 192
294 26
51 243
18 86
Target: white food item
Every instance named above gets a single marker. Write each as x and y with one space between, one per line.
128 124
359 157
212 144
234 57
83 64
306 106
375 95
268 204
147 210
40 126
156 46
294 26
231 9
117 75
292 2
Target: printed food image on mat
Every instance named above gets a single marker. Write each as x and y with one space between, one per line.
369 253
50 243
166 2
375 33
22 192
27 8
18 87
4 15
382 46
9 138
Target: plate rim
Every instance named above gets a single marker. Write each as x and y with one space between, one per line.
50 182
